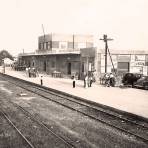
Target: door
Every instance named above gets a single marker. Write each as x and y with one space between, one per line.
69 68
44 66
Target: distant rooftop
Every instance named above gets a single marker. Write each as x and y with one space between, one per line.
77 51
113 51
52 52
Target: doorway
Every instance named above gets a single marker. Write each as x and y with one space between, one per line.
69 68
44 66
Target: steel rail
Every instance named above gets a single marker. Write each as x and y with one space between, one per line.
28 114
83 102
12 124
89 106
80 103
102 121
109 124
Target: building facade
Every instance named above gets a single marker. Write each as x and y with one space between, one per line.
58 52
61 42
75 54
133 61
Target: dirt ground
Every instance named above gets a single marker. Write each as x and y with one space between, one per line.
79 130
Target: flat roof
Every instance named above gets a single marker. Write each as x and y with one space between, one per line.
77 52
115 51
53 52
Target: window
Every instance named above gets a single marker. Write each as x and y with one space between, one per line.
70 45
41 44
55 44
45 45
48 45
76 45
123 65
139 57
63 45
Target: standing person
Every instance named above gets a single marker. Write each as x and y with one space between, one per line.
94 75
33 72
112 80
90 81
107 80
29 72
86 81
37 73
74 82
41 80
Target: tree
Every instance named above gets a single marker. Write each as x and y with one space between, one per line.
5 54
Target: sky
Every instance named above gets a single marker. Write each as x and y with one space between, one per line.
125 21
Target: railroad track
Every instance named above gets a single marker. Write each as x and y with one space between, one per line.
38 122
130 125
18 131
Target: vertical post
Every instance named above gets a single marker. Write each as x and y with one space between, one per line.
87 64
73 42
44 37
147 67
41 80
106 46
105 39
51 42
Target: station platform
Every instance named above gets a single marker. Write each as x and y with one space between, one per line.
131 100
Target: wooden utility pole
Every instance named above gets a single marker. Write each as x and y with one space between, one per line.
44 37
105 39
73 45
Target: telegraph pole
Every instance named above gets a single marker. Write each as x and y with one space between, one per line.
105 39
44 37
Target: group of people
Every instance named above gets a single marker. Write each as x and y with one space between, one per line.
88 80
31 72
109 79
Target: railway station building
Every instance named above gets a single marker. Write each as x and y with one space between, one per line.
76 55
59 53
